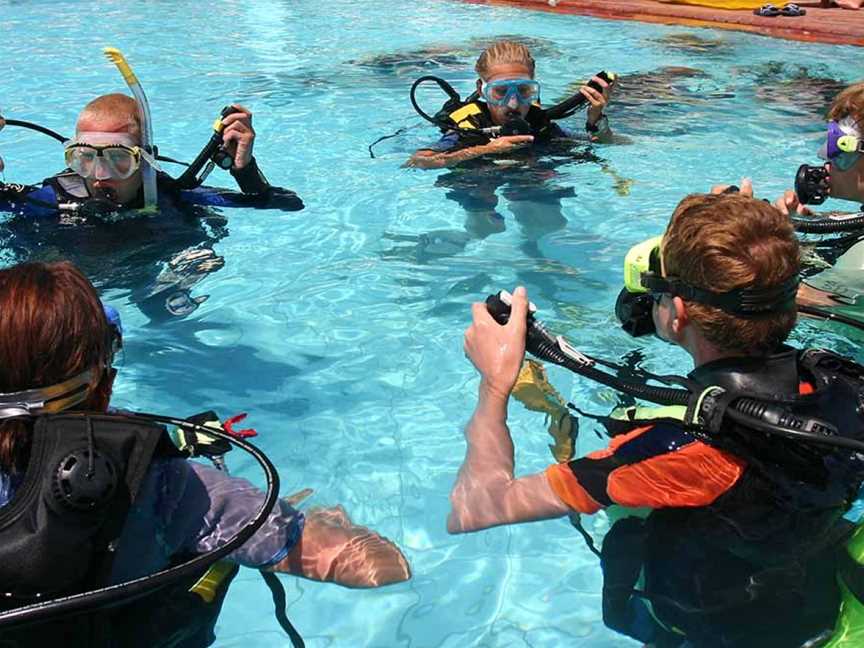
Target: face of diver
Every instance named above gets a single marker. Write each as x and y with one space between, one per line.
120 191
664 313
848 184
502 114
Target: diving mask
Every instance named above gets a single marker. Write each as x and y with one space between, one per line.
843 145
105 156
645 284
70 392
503 91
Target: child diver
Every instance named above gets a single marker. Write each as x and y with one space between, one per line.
508 100
744 525
507 86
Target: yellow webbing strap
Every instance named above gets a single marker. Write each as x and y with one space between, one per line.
208 585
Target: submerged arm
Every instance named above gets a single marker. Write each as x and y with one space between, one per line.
485 493
438 159
334 549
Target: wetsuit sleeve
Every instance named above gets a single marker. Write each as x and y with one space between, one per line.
274 198
27 200
447 143
659 466
203 507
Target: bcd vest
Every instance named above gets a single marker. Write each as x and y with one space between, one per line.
59 533
473 116
762 556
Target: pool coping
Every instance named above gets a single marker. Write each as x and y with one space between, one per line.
820 25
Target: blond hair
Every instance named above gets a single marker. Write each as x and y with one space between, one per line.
504 52
117 109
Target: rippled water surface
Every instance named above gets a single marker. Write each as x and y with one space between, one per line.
339 327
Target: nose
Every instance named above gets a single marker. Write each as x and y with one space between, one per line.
101 170
513 102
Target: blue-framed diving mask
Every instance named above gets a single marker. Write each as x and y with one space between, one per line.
645 285
503 91
843 145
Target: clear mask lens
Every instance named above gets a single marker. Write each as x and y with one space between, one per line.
501 93
115 161
845 161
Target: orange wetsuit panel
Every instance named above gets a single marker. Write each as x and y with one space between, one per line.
694 475
688 474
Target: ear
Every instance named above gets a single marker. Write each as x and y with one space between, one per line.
101 396
681 320
479 85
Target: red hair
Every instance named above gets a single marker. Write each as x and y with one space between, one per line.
52 328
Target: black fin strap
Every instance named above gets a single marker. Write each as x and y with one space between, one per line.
280 604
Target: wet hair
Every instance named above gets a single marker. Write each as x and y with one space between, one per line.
849 103
52 328
117 109
728 241
504 52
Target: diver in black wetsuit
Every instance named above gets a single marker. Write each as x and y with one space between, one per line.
111 171
510 99
91 212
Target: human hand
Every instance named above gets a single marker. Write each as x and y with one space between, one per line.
508 143
789 203
239 136
598 100
745 188
497 351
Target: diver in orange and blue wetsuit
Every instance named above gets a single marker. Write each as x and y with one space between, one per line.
746 477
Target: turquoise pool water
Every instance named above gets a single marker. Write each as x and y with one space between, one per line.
339 328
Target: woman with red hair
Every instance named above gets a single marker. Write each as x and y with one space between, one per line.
134 506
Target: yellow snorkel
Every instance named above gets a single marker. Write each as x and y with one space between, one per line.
148 173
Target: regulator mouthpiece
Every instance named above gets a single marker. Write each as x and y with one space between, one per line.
516 126
811 184
634 311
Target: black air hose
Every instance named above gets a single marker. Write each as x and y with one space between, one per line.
828 225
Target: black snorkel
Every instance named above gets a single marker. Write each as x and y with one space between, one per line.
706 409
576 101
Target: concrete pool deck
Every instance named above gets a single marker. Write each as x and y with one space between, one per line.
834 25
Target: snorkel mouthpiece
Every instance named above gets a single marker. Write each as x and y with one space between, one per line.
811 184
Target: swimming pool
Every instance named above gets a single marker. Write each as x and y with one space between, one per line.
339 327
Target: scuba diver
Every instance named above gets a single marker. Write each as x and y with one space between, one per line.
495 135
108 162
841 176
100 510
112 205
745 472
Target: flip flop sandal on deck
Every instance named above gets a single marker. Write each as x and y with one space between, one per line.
793 10
767 11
